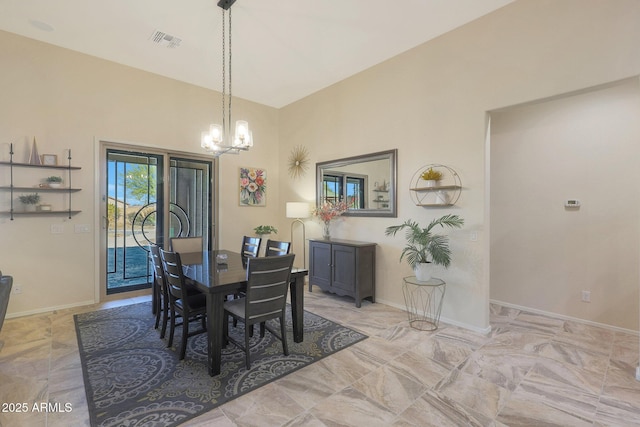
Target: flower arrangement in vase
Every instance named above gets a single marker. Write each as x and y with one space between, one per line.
328 211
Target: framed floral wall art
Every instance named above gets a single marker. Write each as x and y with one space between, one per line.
253 187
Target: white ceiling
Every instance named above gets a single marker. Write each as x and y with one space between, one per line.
283 50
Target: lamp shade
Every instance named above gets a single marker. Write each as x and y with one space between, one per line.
298 210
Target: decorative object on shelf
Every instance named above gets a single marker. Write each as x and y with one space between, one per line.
298 211
328 211
253 187
34 158
218 139
423 247
431 177
44 207
29 201
54 181
49 159
435 185
262 230
298 161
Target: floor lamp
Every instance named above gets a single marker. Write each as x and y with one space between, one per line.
299 210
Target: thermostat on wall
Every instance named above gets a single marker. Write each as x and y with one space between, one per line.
572 203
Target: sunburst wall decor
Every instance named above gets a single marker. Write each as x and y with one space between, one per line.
298 161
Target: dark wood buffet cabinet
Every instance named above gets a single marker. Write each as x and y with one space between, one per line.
343 267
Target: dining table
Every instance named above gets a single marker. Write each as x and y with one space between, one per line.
220 273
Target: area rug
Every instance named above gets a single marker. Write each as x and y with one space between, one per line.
132 378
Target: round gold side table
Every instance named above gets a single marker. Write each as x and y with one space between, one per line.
423 301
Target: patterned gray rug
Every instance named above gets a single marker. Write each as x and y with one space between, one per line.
133 379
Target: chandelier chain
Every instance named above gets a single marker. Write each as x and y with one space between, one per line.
224 71
230 51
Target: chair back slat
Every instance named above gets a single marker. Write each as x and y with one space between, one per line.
156 262
186 244
267 283
250 246
174 276
277 248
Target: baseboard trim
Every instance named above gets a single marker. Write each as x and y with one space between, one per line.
561 316
49 309
483 331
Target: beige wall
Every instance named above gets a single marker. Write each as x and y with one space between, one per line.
70 100
544 255
432 102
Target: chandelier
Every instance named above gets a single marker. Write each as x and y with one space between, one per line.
218 139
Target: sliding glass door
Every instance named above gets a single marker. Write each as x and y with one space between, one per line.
145 205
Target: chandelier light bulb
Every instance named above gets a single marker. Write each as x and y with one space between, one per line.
216 133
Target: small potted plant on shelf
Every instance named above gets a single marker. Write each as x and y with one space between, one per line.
29 201
262 230
423 247
431 177
54 181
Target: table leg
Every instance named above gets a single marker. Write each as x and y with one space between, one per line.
296 289
215 333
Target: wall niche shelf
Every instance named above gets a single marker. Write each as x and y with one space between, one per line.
12 188
445 192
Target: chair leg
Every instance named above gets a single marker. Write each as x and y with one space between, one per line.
247 335
172 327
262 328
185 335
283 332
165 316
156 307
225 328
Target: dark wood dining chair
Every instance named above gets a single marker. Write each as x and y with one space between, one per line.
186 244
161 298
250 246
190 307
160 290
265 299
277 248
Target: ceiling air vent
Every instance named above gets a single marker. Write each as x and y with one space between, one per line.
163 39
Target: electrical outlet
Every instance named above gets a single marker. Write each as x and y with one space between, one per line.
81 228
17 289
473 236
586 296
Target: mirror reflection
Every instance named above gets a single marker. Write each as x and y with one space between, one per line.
366 183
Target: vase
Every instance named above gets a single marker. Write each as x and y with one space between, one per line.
326 230
423 271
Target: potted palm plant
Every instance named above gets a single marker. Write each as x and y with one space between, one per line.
424 247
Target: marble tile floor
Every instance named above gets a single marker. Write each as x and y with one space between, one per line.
532 370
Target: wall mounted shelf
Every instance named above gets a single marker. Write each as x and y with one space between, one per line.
445 192
18 188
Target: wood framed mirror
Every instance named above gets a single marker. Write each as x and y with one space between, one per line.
367 183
